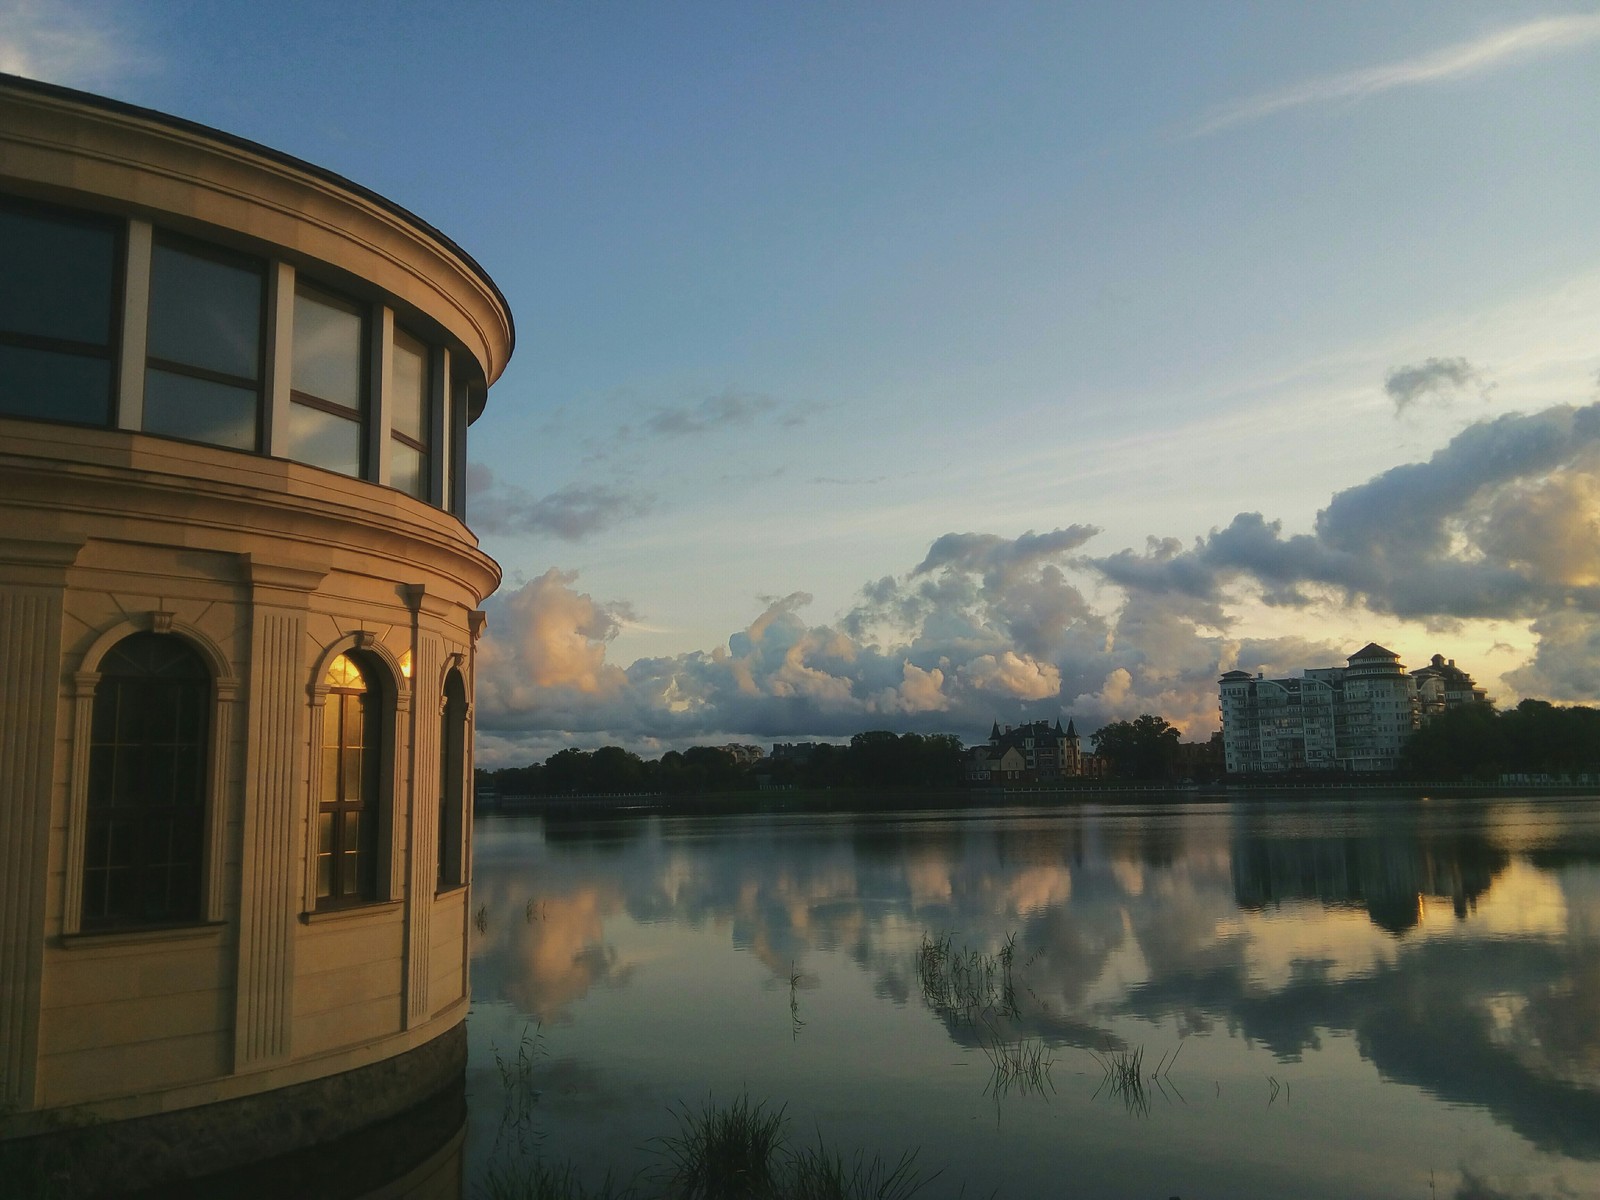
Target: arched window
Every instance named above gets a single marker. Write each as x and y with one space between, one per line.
145 813
452 779
347 818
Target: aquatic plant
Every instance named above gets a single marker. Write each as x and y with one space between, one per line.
723 1153
966 984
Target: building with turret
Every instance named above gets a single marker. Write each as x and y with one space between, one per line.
239 610
1355 718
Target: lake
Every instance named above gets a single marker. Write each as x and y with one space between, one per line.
1377 997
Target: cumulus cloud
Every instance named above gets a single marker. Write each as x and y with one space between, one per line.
75 44
1502 522
572 513
1461 60
1436 379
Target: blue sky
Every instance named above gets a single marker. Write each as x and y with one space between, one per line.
911 365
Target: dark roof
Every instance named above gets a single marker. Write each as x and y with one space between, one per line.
1373 650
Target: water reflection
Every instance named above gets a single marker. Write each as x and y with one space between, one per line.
1441 954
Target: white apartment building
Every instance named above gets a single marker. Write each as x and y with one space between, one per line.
1352 718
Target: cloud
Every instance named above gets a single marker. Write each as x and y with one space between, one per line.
721 411
1501 48
572 513
1438 378
1503 523
73 44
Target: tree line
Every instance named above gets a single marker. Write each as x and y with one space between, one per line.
1481 742
875 759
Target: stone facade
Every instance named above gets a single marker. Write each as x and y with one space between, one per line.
238 611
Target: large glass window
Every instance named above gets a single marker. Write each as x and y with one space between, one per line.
146 790
203 375
452 779
347 817
327 414
58 292
409 415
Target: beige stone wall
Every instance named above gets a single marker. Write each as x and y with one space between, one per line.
269 582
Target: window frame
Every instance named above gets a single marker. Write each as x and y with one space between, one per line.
385 680
455 751
218 748
361 415
111 353
225 256
422 446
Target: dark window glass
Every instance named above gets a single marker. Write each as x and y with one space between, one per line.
452 770
205 311
52 386
408 416
58 294
347 817
204 346
146 788
326 418
202 410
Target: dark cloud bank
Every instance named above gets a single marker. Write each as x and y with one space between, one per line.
1503 522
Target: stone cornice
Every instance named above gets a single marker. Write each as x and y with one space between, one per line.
205 496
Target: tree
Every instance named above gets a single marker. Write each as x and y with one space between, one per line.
1143 748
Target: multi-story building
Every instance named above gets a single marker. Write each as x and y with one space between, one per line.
1442 685
238 613
1354 718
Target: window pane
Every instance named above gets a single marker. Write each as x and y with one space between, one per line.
324 440
59 277
197 409
204 312
408 414
327 349
408 470
146 786
47 386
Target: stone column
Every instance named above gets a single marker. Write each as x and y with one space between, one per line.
274 804
33 581
427 672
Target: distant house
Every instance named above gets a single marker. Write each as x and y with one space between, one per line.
1036 752
985 764
1442 685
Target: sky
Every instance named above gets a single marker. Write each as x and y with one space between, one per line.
916 366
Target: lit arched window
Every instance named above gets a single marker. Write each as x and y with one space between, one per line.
347 818
145 823
452 779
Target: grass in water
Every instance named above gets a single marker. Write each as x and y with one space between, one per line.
966 984
725 1152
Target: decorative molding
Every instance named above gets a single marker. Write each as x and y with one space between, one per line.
477 622
161 622
30 665
271 823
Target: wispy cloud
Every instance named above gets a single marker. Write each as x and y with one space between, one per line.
1438 379
74 44
572 513
1502 48
712 413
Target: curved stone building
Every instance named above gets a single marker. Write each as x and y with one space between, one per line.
238 607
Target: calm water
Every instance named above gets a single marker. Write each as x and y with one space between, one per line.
1372 997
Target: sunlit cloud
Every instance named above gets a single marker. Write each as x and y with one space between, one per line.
1502 48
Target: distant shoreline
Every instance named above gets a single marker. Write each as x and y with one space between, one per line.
869 800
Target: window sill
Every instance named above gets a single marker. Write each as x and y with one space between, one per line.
134 935
375 908
449 890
